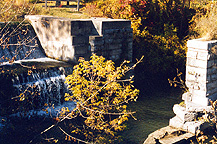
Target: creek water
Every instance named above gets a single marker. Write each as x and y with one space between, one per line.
153 111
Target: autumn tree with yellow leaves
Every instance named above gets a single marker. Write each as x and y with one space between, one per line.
101 92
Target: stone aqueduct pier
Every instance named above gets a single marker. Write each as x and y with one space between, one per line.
201 80
67 39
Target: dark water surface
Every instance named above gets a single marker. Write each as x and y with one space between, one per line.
153 111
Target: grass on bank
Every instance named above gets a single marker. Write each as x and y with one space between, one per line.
16 11
62 11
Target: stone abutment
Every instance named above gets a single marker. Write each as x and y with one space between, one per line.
67 39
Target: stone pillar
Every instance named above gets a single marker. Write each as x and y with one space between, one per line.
201 72
201 80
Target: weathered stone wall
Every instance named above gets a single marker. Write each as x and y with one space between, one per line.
115 44
201 72
67 39
201 80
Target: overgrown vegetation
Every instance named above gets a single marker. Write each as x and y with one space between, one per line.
160 29
101 93
15 10
13 29
204 25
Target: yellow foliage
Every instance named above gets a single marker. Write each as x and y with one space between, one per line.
205 22
14 10
102 92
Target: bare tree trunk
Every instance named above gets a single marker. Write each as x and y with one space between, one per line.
45 4
78 5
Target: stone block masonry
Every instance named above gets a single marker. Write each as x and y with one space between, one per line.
68 39
201 80
201 71
115 44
